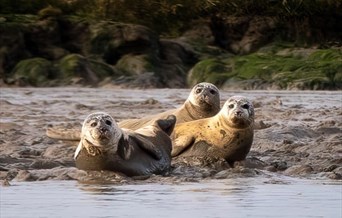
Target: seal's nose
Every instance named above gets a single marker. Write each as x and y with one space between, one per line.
103 129
206 94
238 113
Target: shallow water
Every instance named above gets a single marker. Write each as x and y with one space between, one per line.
241 197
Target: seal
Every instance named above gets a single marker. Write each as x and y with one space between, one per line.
202 102
228 135
106 146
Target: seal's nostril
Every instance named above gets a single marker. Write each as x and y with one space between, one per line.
245 106
213 92
108 122
103 129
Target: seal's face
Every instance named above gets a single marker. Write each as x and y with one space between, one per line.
99 129
205 95
238 111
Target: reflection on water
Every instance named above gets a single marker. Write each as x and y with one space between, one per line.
247 197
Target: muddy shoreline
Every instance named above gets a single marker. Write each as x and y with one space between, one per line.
299 133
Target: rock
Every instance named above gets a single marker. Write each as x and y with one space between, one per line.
242 35
199 32
75 34
261 125
278 165
112 40
254 163
5 182
209 70
87 52
57 173
333 175
265 70
132 64
298 170
49 12
144 80
176 59
91 71
34 71
43 39
59 152
12 47
44 164
271 168
164 69
24 175
258 33
177 52
223 174
338 170
151 101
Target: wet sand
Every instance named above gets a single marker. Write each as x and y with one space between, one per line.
298 134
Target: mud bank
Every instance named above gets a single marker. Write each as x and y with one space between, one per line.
298 133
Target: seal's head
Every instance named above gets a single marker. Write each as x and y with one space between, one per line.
205 96
100 132
238 112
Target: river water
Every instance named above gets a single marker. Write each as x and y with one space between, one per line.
239 197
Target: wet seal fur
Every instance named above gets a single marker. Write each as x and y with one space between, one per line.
105 146
202 102
228 135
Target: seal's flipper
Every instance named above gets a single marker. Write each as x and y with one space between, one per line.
123 147
180 145
78 150
167 124
148 146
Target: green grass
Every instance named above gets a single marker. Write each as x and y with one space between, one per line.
322 69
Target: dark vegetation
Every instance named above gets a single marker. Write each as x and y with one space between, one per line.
175 16
283 44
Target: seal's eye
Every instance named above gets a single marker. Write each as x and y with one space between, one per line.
245 106
108 122
93 124
213 92
231 106
199 90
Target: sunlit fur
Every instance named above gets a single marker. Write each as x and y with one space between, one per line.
228 135
99 129
204 95
239 112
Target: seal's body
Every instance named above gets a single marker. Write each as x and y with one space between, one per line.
228 135
105 146
202 102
